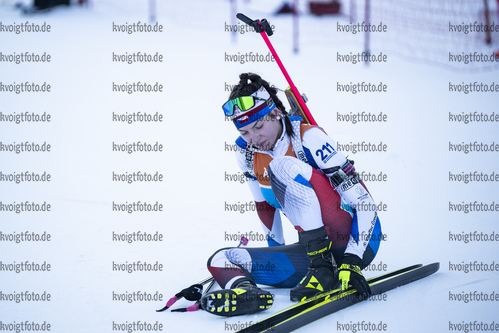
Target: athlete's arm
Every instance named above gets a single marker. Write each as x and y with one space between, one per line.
270 217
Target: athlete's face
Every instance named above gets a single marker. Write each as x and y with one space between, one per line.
263 133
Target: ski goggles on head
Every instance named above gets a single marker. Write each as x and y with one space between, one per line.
245 103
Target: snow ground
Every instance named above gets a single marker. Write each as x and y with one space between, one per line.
194 192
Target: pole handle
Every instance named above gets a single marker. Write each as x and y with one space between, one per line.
259 25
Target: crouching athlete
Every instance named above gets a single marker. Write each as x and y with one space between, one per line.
294 168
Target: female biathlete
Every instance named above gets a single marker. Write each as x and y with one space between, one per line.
294 168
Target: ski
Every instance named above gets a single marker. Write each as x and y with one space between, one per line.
314 308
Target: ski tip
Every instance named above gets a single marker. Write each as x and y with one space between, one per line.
436 266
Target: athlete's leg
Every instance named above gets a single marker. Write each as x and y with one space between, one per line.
278 266
314 208
309 201
238 271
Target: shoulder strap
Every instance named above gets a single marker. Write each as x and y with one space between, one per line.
297 143
249 151
249 161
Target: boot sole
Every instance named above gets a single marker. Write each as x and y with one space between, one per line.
235 302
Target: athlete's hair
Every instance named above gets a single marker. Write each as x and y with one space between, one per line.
249 83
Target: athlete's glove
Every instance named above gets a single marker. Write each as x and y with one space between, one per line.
350 274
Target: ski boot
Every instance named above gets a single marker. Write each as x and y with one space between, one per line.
245 298
322 275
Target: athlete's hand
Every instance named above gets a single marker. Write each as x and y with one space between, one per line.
350 274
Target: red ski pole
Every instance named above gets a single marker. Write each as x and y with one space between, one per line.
263 28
